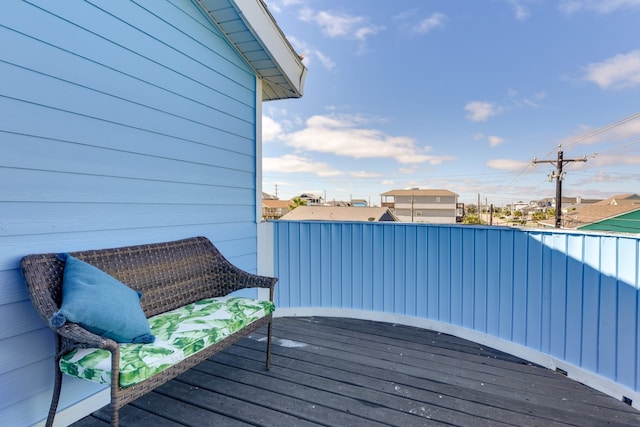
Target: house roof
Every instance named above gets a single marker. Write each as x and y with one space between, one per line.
332 213
267 196
253 31
419 193
274 204
603 210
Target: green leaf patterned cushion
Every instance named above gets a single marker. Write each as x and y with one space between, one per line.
179 333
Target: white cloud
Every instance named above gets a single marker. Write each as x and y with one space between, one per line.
365 174
538 97
271 130
541 95
434 21
521 11
340 25
599 177
617 72
344 136
407 171
478 111
507 164
494 141
278 5
311 54
598 6
570 6
614 160
291 163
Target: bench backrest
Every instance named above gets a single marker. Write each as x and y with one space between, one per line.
169 274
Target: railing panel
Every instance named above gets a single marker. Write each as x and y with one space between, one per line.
493 284
422 258
575 300
557 277
505 255
480 280
572 296
628 362
520 289
590 326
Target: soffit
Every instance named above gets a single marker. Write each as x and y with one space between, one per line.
253 31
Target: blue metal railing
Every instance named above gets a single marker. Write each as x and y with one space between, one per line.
572 296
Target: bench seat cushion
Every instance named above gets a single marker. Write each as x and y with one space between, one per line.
179 333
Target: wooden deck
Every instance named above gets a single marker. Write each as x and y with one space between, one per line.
343 372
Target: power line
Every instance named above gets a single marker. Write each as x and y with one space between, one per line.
580 139
604 129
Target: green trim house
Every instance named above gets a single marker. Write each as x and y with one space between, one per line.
620 213
624 223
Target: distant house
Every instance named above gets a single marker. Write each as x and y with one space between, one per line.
359 203
568 203
311 199
274 209
519 206
337 203
620 213
425 206
330 213
125 122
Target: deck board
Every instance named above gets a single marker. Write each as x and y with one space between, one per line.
346 372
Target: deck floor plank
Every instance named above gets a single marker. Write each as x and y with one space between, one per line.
348 372
460 376
387 394
519 377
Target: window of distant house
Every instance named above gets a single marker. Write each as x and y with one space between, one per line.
437 199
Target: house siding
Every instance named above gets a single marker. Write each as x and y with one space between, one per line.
426 209
120 123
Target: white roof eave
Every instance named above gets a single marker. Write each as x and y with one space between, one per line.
283 73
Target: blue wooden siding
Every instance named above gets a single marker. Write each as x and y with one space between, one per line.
573 296
120 123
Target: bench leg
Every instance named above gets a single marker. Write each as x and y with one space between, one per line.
57 385
269 345
115 416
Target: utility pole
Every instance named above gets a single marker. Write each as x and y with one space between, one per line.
412 206
491 214
558 175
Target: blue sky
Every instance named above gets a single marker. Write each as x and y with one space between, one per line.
459 95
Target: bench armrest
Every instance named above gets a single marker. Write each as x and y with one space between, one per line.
84 338
232 278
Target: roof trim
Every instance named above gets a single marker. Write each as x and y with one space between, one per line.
253 31
420 192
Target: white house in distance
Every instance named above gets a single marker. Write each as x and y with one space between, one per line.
424 206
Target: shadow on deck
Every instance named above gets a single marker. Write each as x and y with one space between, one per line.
344 372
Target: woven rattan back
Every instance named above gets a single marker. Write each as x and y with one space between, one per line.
169 275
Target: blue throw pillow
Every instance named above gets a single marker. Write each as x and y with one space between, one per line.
101 304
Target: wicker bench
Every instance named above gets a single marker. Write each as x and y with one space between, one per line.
171 276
